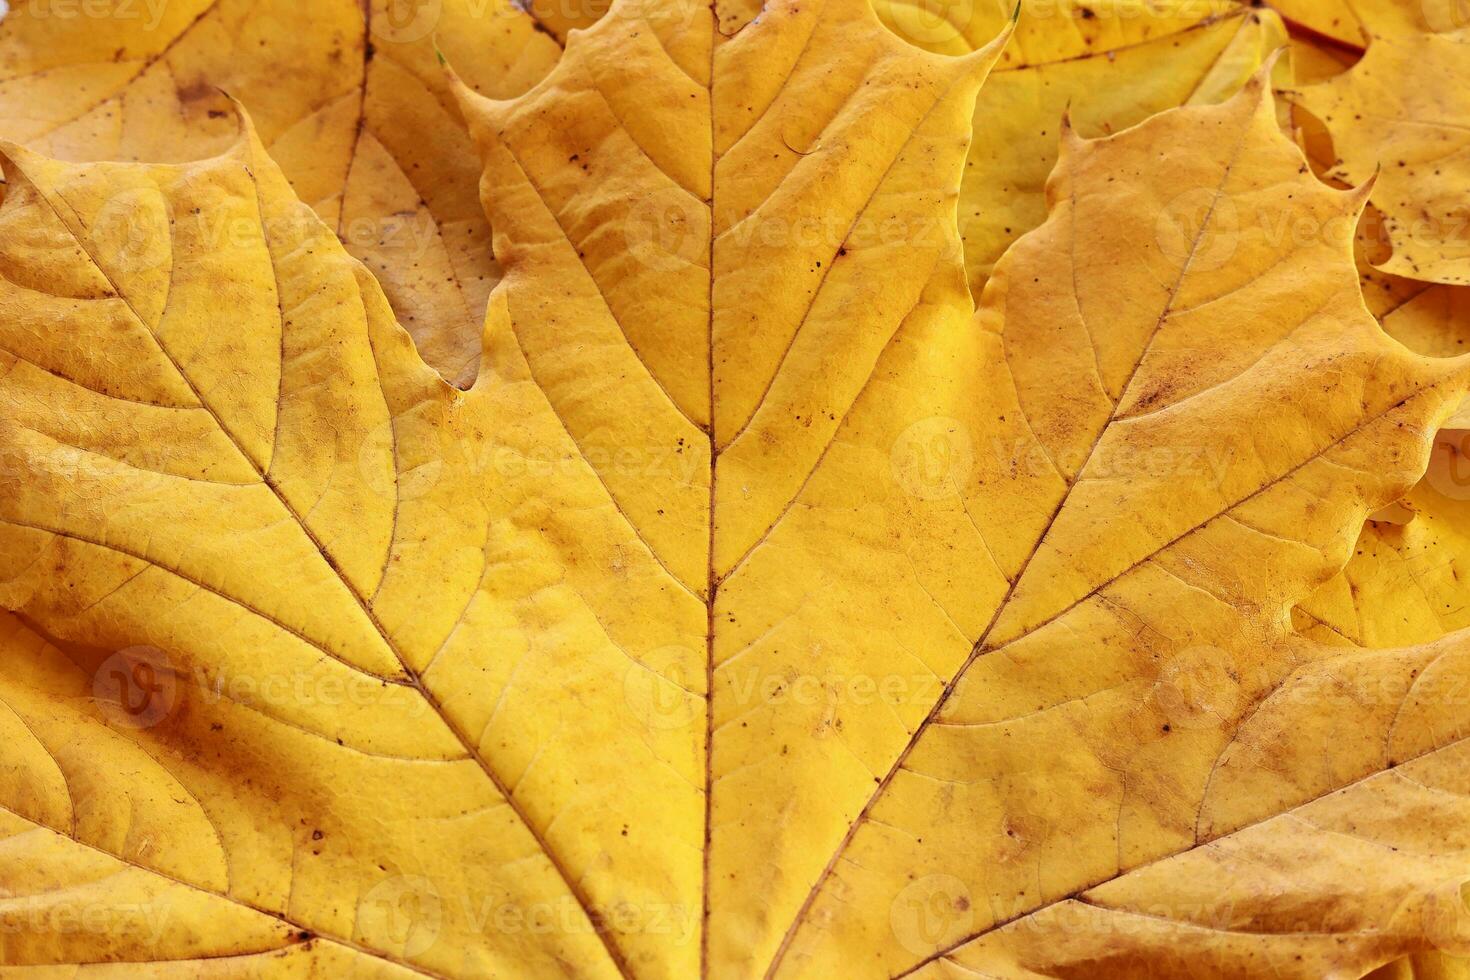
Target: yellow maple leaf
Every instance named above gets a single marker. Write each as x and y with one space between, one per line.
1334 20
1403 584
1384 121
1314 60
348 97
763 608
1105 65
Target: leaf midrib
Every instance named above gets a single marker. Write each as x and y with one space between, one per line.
980 648
712 579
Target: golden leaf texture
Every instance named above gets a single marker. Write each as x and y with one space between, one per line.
1333 20
347 95
1107 65
764 604
1413 137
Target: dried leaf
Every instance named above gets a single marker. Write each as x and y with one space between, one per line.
1106 65
1315 60
1414 137
1097 726
1405 583
354 109
1334 20
763 608
1225 909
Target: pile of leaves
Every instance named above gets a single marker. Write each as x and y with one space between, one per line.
813 489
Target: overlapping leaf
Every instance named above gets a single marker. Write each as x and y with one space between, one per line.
1067 755
348 96
1105 65
1334 20
1384 120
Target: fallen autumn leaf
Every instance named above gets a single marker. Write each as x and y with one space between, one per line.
759 597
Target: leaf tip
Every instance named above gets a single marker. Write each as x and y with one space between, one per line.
244 125
456 84
1365 189
9 162
1263 75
